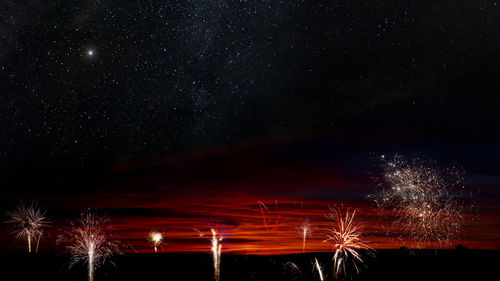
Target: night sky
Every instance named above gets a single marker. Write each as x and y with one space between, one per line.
177 115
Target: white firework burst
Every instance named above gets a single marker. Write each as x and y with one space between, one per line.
28 222
426 203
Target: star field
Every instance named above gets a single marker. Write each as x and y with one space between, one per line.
85 83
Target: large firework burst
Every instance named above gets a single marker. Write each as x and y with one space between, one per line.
28 222
426 203
89 242
345 235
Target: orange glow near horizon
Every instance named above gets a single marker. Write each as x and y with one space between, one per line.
185 222
249 236
183 202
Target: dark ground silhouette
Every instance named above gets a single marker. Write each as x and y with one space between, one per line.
402 264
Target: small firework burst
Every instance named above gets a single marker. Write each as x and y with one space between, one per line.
304 230
28 222
89 242
345 235
428 204
156 238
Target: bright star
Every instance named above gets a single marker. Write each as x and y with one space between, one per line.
90 52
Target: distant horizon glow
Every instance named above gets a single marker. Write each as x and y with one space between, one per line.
181 195
244 232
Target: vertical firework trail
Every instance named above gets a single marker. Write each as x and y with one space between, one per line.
304 230
216 253
304 235
91 260
319 269
28 223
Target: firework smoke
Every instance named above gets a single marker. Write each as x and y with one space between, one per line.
156 238
89 242
319 269
28 222
216 252
427 204
344 234
304 231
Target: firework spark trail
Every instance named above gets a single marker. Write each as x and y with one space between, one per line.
156 238
216 253
319 269
271 225
262 214
429 204
344 233
89 243
28 223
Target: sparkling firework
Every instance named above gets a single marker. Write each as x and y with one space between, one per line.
156 238
28 223
304 231
216 248
89 242
216 252
428 204
319 269
344 234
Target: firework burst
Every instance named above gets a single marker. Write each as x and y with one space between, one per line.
305 230
88 242
28 222
344 234
156 238
427 204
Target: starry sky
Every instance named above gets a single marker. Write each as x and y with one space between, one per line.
133 106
